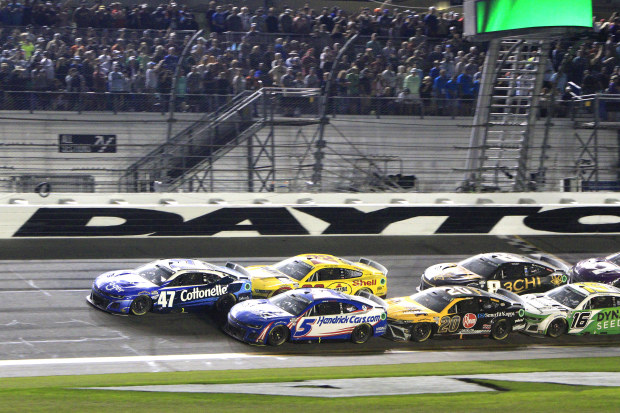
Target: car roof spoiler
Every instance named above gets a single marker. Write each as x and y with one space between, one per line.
373 264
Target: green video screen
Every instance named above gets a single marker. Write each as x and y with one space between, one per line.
500 15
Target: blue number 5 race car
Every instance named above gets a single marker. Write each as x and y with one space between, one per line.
308 314
171 285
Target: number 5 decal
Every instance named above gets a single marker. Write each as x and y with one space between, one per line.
305 327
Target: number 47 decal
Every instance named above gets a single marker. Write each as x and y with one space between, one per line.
164 301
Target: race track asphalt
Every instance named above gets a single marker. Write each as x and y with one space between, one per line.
47 327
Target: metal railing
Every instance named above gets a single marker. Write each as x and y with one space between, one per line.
268 141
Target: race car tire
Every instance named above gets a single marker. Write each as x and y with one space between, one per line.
420 332
367 290
140 305
225 303
361 333
500 329
278 335
557 327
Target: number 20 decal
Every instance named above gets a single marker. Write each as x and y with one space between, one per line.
449 325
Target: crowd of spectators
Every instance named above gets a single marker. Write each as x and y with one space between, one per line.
402 62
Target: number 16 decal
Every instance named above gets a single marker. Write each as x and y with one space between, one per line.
580 320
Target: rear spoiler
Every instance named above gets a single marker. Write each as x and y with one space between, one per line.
549 259
373 264
236 267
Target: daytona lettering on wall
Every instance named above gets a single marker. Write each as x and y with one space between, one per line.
329 220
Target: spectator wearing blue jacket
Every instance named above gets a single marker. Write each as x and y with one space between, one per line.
440 91
452 95
466 90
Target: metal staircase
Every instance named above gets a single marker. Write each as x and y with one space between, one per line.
186 162
168 164
506 113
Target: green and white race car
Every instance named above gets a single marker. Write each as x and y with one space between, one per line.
580 308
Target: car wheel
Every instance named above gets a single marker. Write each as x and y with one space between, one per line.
225 303
421 332
363 290
556 328
361 333
277 336
141 305
500 329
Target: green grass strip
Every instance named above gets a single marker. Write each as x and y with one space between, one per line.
58 393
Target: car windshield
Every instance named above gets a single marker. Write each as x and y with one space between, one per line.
154 273
293 268
433 300
479 265
566 296
291 303
615 258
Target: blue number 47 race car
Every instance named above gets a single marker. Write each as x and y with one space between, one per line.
171 285
308 314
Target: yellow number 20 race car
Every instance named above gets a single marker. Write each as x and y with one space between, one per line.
318 270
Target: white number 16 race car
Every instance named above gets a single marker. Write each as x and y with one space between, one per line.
580 308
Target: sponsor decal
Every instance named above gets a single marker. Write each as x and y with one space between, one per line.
521 285
500 314
340 220
558 280
114 287
608 319
339 286
486 326
362 283
469 320
345 319
197 293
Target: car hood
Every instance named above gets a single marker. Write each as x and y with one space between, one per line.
403 308
449 273
262 311
123 282
541 304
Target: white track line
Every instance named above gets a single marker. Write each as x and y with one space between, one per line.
129 359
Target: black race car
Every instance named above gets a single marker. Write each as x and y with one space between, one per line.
453 311
491 271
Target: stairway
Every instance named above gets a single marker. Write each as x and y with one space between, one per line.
168 164
506 113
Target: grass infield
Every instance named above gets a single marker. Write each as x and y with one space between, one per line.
59 393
